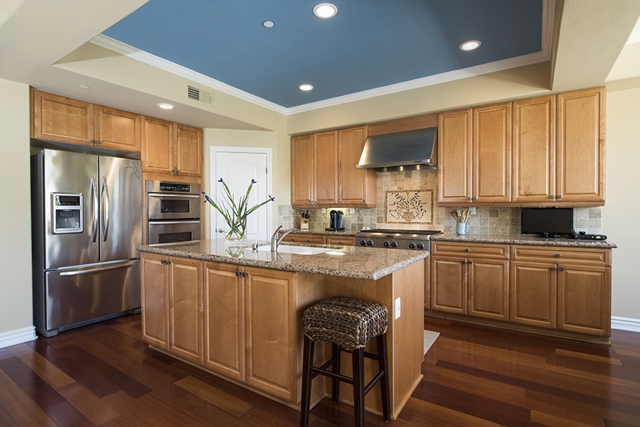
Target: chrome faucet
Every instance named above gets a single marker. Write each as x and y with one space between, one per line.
275 241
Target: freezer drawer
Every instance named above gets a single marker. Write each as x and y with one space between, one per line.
75 297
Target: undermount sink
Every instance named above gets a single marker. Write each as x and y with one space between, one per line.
296 249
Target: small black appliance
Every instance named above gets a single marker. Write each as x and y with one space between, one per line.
336 221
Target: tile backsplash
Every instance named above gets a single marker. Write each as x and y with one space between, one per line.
409 192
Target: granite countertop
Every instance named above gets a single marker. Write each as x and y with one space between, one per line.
343 261
520 239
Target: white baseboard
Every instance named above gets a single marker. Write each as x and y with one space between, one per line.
17 336
625 324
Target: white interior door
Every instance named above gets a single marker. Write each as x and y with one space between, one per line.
237 167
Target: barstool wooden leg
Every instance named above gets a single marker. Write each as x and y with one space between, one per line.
307 362
384 381
335 384
358 386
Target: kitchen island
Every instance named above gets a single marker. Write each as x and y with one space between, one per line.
236 312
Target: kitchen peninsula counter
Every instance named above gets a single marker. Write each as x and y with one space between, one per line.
237 313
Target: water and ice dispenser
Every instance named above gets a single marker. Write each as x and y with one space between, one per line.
67 213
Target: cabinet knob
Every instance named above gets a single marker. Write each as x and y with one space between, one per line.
559 196
469 198
553 269
552 197
469 262
558 255
467 250
561 269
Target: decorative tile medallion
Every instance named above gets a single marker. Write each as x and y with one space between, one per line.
409 207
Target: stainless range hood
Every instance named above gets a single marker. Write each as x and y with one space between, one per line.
409 150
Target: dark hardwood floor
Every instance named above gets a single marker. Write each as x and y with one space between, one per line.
104 375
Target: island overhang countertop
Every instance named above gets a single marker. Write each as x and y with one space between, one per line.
343 261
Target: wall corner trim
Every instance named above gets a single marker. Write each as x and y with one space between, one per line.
625 324
17 336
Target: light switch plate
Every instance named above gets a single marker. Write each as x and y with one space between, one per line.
397 309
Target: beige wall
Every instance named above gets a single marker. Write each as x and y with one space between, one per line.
15 215
623 198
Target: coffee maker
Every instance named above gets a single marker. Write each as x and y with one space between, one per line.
336 221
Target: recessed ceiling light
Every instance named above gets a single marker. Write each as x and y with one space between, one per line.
83 86
269 24
325 10
470 45
305 87
166 106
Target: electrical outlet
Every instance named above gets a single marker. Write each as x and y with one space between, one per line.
472 211
324 210
397 310
352 210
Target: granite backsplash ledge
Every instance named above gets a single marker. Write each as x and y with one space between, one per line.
407 200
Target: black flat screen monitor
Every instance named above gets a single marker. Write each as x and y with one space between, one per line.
547 222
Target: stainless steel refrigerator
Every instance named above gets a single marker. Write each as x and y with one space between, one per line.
87 225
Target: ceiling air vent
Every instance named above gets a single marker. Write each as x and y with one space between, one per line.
199 95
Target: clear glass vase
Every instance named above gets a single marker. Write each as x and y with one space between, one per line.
236 236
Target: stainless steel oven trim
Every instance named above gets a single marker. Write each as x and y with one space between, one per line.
155 228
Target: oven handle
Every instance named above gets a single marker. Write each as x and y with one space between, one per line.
156 222
174 196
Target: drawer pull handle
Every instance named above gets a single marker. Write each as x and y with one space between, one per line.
557 255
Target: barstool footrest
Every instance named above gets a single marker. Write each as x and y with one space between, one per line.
373 382
332 375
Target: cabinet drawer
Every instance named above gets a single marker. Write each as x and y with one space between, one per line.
341 240
561 254
304 238
470 249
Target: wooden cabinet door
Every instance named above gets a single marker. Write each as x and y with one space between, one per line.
533 291
304 238
188 151
157 145
325 149
61 119
224 326
449 284
116 129
185 308
356 187
534 150
271 332
584 299
488 288
155 300
492 154
581 138
341 240
302 171
454 157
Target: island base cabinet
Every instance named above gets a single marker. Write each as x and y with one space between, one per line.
224 325
172 305
155 300
584 299
185 308
271 332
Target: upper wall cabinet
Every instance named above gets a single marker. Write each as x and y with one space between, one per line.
171 148
324 173
356 187
580 147
60 119
474 156
552 155
314 167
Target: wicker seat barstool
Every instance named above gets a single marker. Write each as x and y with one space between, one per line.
349 324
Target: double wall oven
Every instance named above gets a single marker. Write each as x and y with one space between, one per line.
173 212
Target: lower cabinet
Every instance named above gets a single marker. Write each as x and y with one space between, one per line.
551 287
562 288
320 239
172 305
237 321
470 279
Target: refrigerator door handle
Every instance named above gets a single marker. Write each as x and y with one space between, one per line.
97 269
94 210
105 209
